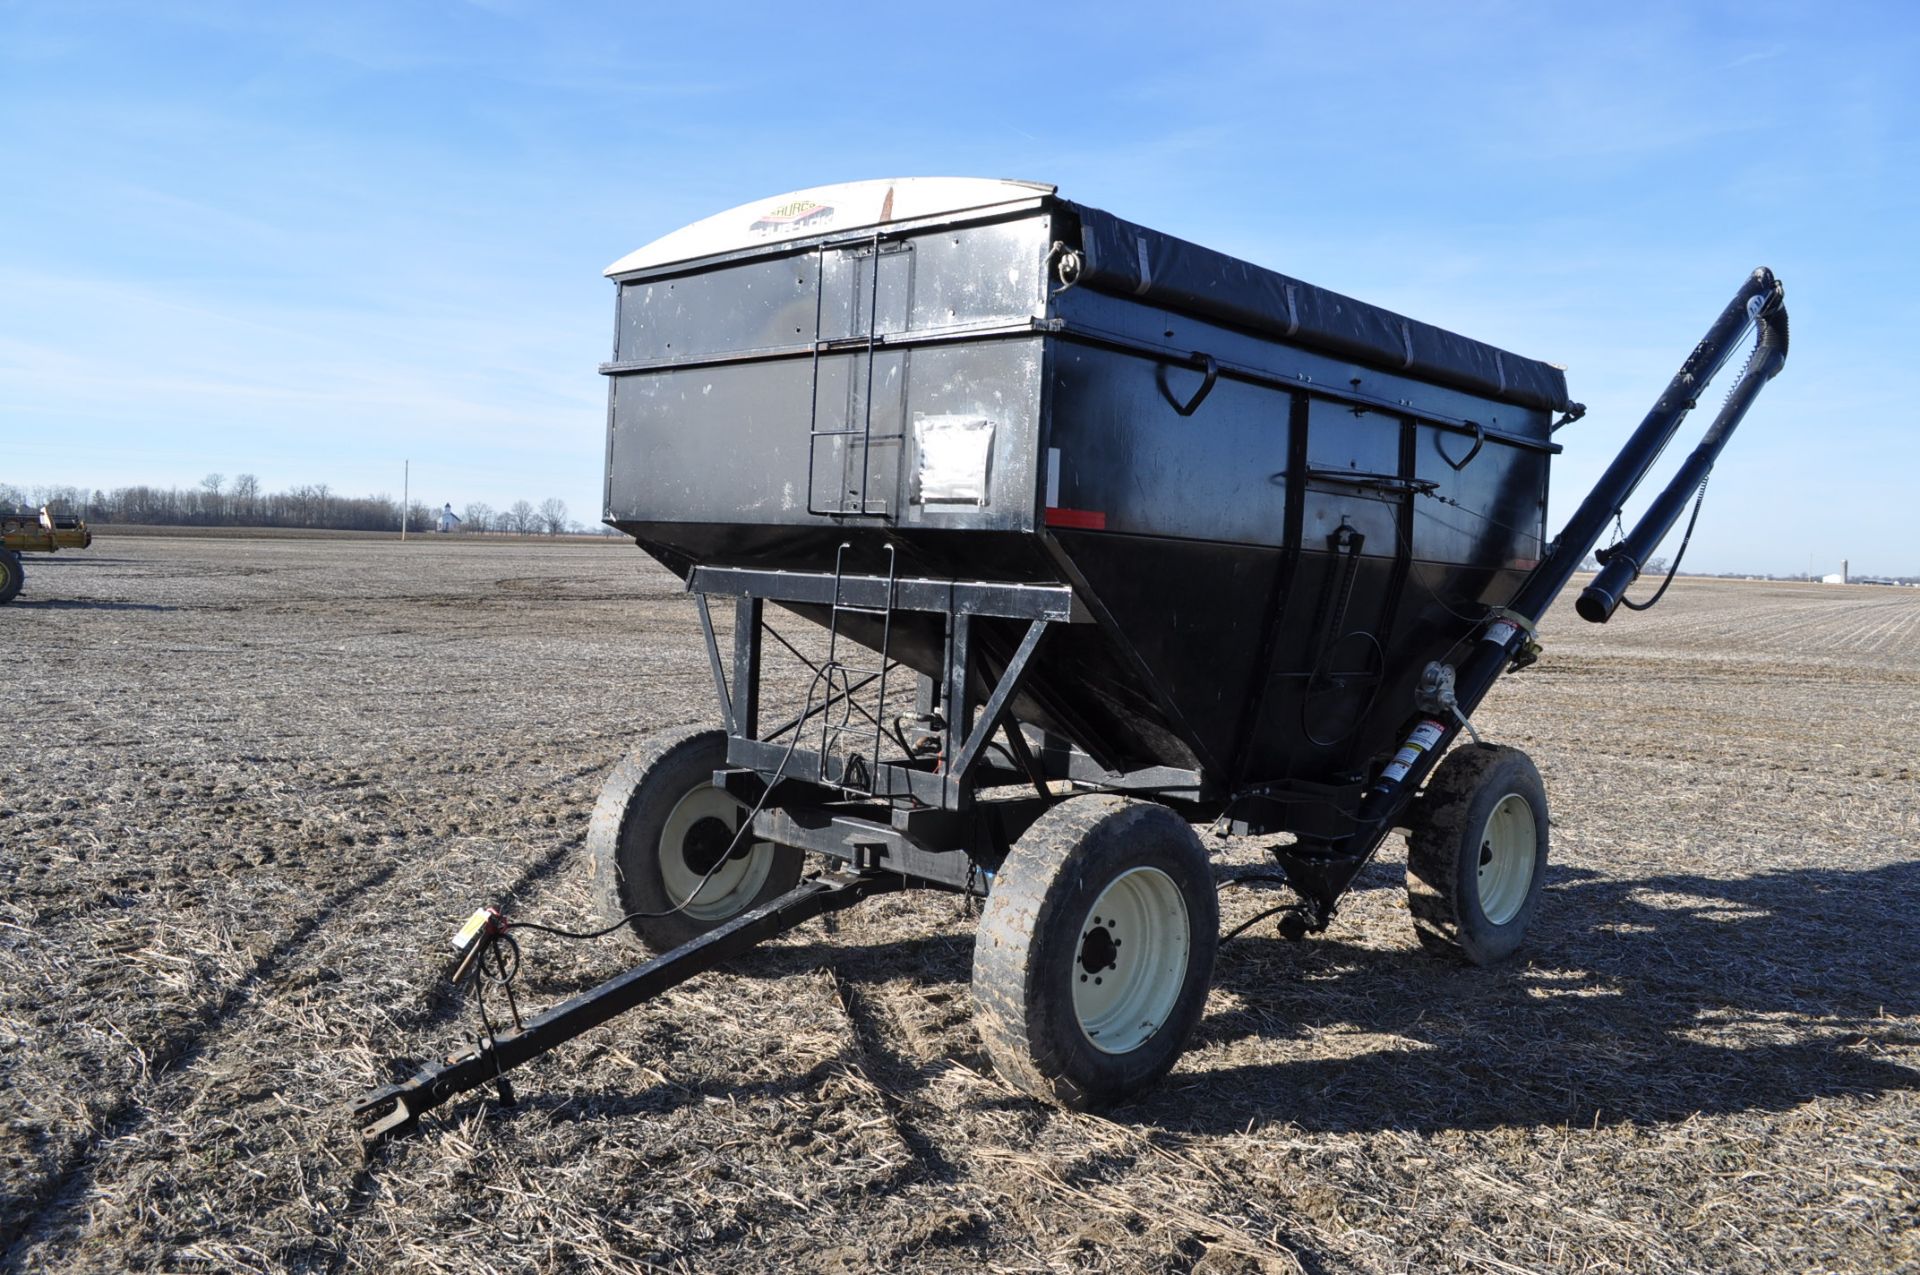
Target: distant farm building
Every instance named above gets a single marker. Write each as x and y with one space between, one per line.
448 520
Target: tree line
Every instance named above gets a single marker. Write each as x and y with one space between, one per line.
218 502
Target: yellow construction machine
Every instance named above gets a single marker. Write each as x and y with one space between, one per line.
43 532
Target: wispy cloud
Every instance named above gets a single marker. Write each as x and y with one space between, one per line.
327 235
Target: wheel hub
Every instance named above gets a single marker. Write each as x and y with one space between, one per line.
711 868
1131 960
1508 846
1099 950
706 842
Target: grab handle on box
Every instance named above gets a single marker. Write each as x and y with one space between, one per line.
1210 366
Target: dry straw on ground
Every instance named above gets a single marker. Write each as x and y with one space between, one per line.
247 787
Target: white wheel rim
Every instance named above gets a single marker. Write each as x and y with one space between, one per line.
1507 847
735 882
1130 960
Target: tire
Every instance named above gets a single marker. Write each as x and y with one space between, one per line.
12 575
1478 854
1069 1013
656 830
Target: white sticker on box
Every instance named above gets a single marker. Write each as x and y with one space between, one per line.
954 454
1501 631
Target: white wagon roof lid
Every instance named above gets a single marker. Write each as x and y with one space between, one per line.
847 206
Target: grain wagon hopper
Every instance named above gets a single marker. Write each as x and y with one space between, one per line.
1103 535
44 532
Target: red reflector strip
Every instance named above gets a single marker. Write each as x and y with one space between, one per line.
1091 519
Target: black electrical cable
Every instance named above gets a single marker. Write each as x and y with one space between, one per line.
679 907
500 941
1701 498
497 945
1679 554
779 773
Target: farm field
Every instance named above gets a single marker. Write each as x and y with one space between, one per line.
249 787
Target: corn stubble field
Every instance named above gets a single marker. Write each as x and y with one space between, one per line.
248 787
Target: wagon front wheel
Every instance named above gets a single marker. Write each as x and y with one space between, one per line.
1095 950
1478 854
670 851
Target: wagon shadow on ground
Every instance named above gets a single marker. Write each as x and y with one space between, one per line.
1645 1000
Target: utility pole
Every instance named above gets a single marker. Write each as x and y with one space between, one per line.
406 495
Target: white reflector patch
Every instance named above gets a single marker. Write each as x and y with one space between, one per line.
954 452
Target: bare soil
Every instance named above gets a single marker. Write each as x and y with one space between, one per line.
248 787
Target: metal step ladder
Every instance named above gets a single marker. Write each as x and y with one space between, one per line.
850 488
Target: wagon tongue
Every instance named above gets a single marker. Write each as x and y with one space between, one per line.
396 1109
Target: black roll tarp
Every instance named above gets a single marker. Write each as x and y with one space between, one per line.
1119 256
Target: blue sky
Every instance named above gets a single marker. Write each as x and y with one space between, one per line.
308 241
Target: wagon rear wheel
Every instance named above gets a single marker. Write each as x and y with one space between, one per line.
1095 950
666 844
12 575
1478 854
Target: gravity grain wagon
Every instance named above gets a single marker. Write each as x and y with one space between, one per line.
1149 537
